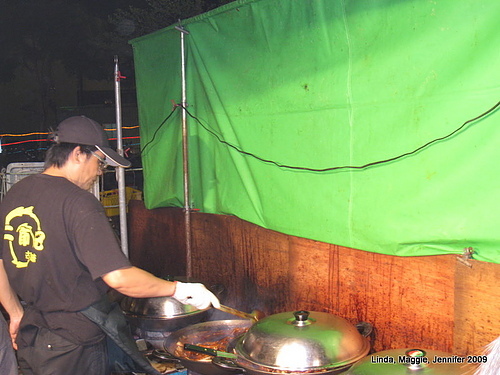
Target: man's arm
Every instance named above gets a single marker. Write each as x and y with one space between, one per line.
135 282
10 302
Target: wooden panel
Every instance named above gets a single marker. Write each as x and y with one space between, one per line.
477 306
311 287
156 239
430 302
251 265
403 298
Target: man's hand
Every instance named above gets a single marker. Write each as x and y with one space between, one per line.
14 329
195 294
10 302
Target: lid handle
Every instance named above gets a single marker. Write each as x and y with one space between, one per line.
301 318
416 359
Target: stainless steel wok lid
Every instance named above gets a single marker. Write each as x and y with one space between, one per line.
160 313
411 362
156 307
302 340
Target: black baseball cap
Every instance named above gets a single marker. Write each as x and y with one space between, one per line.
84 131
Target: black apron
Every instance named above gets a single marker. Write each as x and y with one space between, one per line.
124 356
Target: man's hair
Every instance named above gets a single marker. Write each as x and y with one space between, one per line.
57 155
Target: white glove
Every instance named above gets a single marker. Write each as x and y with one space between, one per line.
195 294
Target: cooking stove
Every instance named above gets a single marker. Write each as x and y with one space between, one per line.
153 338
148 340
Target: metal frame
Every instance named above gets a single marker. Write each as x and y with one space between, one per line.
185 154
120 173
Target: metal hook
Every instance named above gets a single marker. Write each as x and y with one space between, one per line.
181 29
466 256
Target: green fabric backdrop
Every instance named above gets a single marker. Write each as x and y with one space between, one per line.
321 84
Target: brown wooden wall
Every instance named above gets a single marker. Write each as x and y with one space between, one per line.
432 302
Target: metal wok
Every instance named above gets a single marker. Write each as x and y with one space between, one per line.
255 369
215 334
160 314
298 343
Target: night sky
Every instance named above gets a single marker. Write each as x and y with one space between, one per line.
57 55
50 49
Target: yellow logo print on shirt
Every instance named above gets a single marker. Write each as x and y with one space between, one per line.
24 235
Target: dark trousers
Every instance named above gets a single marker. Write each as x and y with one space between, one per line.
8 363
51 354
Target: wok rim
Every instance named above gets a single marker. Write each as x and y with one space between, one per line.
173 338
250 364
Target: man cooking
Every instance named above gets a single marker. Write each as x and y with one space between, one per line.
61 255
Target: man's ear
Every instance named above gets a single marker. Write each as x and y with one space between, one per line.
77 156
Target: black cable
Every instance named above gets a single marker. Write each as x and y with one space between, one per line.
345 166
159 127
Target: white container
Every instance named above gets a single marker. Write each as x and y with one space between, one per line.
17 171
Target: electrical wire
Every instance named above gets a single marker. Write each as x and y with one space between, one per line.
47 140
46 133
23 135
364 166
159 127
26 141
115 139
221 140
123 127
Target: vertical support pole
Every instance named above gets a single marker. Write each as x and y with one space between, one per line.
185 157
120 171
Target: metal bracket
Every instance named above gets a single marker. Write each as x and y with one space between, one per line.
181 29
466 256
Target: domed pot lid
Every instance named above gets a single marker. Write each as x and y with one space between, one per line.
158 307
302 340
411 362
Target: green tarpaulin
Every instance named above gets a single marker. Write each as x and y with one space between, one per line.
285 96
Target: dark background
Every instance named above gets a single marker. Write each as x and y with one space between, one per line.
57 60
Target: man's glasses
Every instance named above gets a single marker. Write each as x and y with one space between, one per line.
102 162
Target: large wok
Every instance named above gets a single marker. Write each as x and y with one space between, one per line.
161 314
298 343
216 333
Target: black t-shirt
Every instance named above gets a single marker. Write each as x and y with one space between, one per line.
57 243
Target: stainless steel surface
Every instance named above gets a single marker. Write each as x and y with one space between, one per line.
411 362
120 171
223 332
157 307
185 156
247 368
160 313
301 341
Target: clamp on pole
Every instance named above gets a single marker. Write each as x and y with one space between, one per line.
466 256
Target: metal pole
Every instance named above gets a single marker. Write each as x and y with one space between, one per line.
120 172
185 156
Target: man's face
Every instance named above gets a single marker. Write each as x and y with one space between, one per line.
91 168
